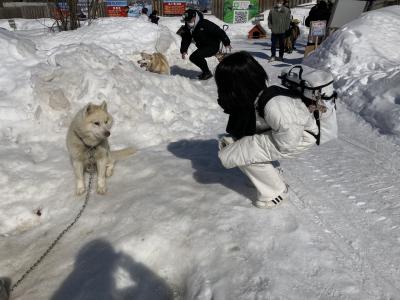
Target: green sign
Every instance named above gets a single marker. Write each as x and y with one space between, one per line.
240 11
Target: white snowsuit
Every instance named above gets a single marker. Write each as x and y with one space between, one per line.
284 134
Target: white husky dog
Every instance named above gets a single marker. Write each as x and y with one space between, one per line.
87 133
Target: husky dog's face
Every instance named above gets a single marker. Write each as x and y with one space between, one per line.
97 121
146 60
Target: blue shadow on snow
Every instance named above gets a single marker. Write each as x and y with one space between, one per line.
93 277
208 169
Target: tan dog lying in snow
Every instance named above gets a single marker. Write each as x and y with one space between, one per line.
156 63
89 131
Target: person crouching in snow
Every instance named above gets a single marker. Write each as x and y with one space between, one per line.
262 130
207 37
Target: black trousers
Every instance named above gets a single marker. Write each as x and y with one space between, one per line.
198 57
277 37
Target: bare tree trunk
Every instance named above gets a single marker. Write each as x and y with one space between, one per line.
92 11
61 18
69 19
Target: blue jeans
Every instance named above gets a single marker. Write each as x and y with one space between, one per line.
274 38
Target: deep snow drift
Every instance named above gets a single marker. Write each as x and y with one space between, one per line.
364 56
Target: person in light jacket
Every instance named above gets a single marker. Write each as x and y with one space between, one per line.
286 127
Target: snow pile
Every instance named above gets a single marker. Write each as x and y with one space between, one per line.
18 55
27 24
151 108
115 34
98 63
364 57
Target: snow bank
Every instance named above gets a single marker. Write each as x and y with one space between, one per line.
121 36
18 55
148 108
364 57
50 77
27 24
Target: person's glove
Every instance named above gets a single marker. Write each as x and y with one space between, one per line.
225 141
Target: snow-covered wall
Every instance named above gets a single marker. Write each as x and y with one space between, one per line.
364 57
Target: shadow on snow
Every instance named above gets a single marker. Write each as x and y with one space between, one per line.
101 273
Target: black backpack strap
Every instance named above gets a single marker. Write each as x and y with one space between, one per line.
271 92
317 136
317 119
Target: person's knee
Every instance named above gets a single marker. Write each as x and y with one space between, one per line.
194 57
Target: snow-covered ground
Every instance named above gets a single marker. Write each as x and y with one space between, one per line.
175 224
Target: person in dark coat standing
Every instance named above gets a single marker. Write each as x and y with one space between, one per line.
319 12
207 37
279 22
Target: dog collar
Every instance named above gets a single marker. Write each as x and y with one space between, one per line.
83 142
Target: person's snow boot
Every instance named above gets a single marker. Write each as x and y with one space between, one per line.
205 75
272 59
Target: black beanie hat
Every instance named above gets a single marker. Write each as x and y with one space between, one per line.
189 14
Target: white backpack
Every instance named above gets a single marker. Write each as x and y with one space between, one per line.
316 90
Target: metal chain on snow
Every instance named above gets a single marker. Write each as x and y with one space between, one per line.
91 170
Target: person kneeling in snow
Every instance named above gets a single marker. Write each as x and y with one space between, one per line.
207 37
262 130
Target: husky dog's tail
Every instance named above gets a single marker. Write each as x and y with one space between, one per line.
123 153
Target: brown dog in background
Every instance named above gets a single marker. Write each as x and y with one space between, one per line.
291 36
156 63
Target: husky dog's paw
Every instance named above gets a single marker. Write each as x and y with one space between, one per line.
80 190
109 171
101 189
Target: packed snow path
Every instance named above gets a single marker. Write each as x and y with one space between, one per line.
350 189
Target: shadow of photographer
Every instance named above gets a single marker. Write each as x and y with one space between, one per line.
101 273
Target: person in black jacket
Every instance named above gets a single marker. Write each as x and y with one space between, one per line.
153 17
319 12
207 37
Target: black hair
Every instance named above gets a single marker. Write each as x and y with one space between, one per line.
144 10
322 5
239 78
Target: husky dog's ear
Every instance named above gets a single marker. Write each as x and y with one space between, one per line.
103 106
89 108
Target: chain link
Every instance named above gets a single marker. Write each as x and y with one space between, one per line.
91 170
